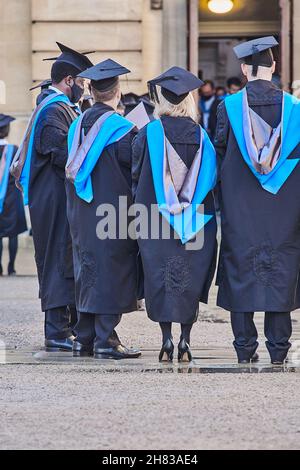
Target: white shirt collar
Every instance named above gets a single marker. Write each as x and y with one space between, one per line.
51 87
3 142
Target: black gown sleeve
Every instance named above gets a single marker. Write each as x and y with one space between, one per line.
51 136
138 152
222 132
124 150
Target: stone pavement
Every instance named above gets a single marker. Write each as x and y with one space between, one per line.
206 361
210 403
208 356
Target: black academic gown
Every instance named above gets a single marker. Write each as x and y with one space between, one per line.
47 206
260 250
12 219
105 270
175 279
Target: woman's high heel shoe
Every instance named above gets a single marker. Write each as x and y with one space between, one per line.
167 351
184 352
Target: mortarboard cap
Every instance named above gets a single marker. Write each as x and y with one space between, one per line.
130 98
44 84
257 52
72 57
130 101
5 120
175 83
104 75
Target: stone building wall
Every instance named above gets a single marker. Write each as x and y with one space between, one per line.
143 39
128 31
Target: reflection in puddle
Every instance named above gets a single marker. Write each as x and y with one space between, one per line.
224 370
203 370
205 363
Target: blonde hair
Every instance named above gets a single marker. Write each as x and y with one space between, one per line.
187 107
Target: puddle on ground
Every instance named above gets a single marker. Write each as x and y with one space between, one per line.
207 361
207 370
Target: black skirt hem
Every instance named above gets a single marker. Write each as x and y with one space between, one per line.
172 321
12 234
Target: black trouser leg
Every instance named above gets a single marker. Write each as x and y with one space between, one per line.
278 330
12 249
166 329
73 317
85 329
245 334
186 332
57 323
106 336
1 251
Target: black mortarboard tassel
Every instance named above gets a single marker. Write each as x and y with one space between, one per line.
257 52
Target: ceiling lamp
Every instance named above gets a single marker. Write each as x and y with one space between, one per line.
220 6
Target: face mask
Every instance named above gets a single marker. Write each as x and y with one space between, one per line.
77 93
206 98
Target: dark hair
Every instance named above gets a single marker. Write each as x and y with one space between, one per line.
60 70
104 96
234 81
209 82
4 131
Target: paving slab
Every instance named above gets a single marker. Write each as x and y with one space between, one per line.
211 403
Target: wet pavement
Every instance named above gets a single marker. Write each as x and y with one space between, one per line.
205 361
211 353
210 403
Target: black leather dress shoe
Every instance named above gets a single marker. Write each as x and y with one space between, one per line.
254 358
82 350
59 345
117 352
279 363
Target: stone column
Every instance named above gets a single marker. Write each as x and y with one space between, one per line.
285 39
193 36
296 44
175 29
152 42
15 60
